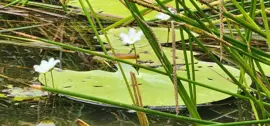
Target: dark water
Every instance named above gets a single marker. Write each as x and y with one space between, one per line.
16 63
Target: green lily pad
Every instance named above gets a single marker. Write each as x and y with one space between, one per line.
20 94
143 48
149 58
161 34
156 89
116 8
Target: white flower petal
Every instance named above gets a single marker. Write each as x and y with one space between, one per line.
43 62
40 69
131 32
52 63
56 61
125 38
37 68
138 36
51 60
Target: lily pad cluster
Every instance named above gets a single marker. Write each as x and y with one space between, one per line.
156 89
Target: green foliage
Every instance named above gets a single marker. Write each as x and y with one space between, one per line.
156 84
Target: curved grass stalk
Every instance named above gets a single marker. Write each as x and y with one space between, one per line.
236 10
129 18
242 78
38 4
224 69
192 120
252 74
189 12
265 22
221 26
192 69
202 14
192 58
243 123
23 28
245 14
245 24
232 43
192 93
133 107
182 18
137 94
93 26
174 69
192 22
12 3
250 71
163 59
113 51
248 32
247 39
234 51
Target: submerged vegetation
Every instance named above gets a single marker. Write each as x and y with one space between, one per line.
167 59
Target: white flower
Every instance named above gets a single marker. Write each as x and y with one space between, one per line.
163 16
46 66
131 37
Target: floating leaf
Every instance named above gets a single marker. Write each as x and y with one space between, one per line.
161 34
146 53
149 58
116 8
156 89
20 94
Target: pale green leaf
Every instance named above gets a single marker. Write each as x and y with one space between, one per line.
156 89
116 8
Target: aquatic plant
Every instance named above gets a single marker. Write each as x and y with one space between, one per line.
131 37
232 44
46 66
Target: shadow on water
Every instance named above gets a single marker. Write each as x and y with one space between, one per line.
17 62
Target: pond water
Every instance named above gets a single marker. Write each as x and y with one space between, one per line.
16 63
